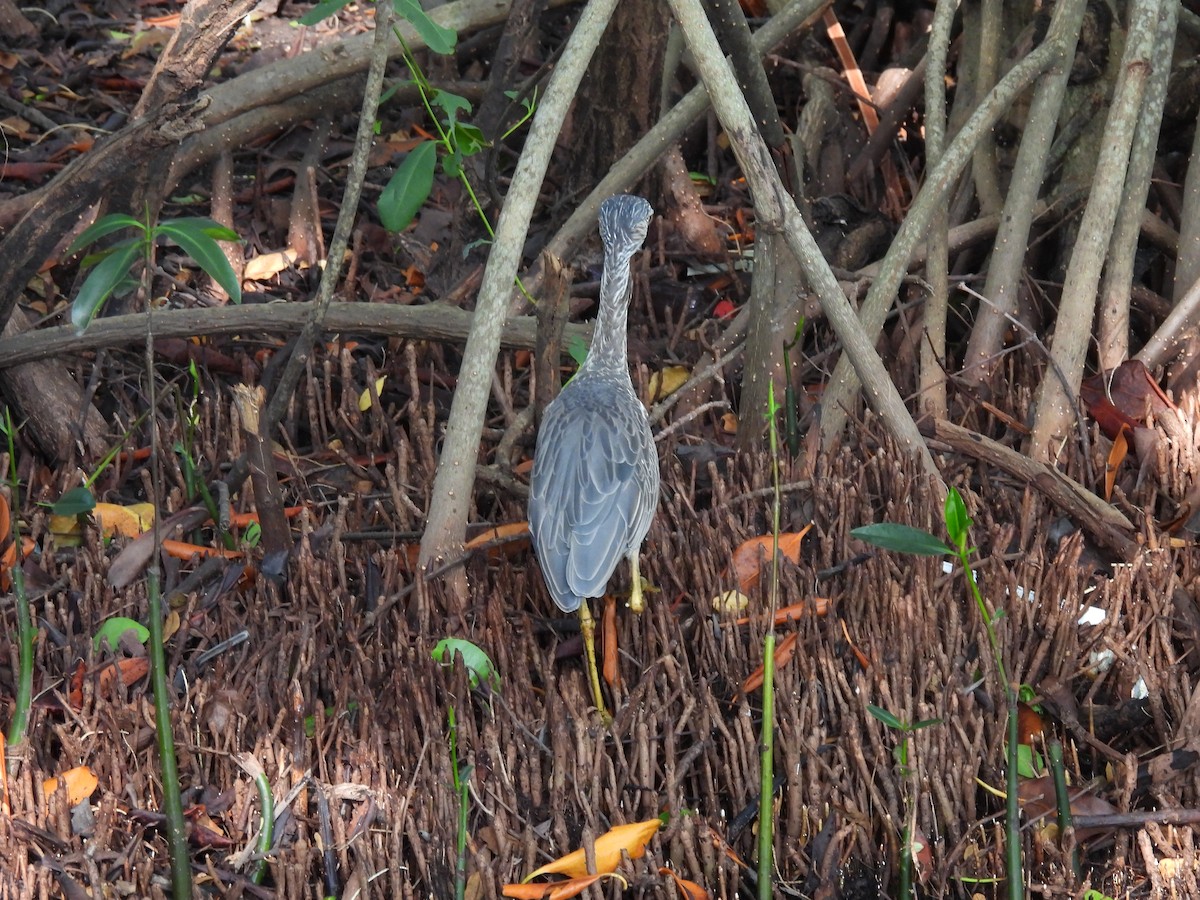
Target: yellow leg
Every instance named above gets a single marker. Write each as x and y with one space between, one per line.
636 603
587 627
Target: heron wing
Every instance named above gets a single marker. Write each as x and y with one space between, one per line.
587 494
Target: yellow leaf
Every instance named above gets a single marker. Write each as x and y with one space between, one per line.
170 625
730 602
729 423
81 781
667 381
631 838
267 265
364 399
558 890
126 521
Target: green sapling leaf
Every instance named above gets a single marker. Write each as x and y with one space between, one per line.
103 227
902 539
885 717
198 237
112 630
957 521
438 39
322 10
479 664
408 188
75 502
99 285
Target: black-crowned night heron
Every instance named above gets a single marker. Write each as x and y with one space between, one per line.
594 486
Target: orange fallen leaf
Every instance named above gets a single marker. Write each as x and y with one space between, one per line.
783 655
1116 456
689 889
559 890
786 614
131 668
241 520
608 627
749 557
502 541
631 838
184 550
81 781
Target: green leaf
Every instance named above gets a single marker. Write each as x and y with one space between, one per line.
200 225
467 139
75 502
438 39
409 188
886 717
113 628
450 103
322 10
578 349
957 520
103 227
478 663
902 539
926 723
198 237
100 284
1029 762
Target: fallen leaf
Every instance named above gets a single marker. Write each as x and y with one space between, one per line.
784 652
1122 397
365 399
630 838
608 628
689 889
81 782
559 890
130 668
730 602
268 265
748 558
1116 456
1037 799
665 382
792 612
503 541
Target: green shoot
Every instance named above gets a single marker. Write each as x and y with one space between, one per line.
480 670
903 539
110 267
25 628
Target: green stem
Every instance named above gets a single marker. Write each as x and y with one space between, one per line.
25 630
766 761
460 788
906 863
1063 801
25 636
181 867
1012 823
177 843
266 835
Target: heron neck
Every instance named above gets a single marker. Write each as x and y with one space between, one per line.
609 347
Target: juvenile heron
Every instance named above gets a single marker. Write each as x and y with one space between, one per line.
594 485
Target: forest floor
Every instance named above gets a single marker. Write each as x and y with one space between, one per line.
325 678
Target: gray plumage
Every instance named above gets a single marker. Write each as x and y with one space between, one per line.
594 486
